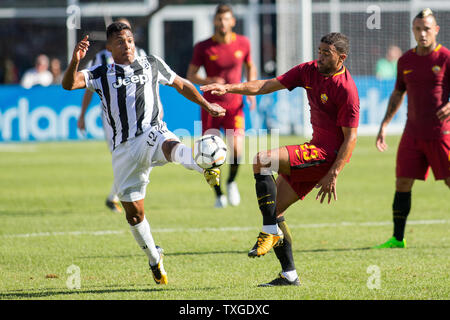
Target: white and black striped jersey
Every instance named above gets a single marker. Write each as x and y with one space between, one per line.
105 57
129 95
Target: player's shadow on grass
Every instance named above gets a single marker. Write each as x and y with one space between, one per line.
240 252
43 293
332 249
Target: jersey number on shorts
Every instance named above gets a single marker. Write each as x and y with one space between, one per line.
309 152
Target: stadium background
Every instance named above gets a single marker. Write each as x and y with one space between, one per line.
283 33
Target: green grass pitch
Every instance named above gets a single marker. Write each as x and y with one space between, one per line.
53 216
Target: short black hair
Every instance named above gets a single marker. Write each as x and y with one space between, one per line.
338 40
116 27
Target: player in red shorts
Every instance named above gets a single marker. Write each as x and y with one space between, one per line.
334 102
222 56
424 74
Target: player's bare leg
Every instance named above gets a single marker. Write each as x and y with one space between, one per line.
264 164
400 211
140 228
233 195
447 182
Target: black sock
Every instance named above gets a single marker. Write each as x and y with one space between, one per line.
400 209
233 171
284 251
218 191
266 192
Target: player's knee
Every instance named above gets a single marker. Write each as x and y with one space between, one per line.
404 185
133 213
261 160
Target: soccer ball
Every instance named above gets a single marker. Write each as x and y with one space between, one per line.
210 151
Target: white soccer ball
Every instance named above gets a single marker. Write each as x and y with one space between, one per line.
210 151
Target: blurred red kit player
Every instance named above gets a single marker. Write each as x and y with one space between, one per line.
223 57
423 73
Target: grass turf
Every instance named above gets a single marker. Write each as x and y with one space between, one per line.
53 215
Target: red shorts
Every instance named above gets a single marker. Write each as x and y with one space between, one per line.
416 156
233 120
308 165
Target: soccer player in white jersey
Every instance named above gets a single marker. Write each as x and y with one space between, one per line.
140 140
104 57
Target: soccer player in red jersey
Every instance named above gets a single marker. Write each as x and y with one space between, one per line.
223 56
334 102
424 74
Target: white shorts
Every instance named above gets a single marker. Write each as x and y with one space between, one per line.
133 160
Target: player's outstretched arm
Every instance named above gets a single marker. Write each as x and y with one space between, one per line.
187 89
327 184
73 79
253 88
395 101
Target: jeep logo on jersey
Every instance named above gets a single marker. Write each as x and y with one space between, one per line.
142 78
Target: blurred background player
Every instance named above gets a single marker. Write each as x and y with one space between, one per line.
222 56
334 103
386 68
39 75
424 75
55 69
140 139
104 57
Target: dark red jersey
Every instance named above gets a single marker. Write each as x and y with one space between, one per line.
426 80
334 102
223 60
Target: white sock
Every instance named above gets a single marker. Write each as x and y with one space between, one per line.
183 154
113 195
270 228
290 275
144 238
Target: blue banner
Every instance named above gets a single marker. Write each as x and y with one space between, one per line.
51 113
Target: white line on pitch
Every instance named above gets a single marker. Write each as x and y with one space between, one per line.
222 229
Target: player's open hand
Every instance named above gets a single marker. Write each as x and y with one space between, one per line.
215 88
81 124
216 110
327 187
81 49
381 141
444 113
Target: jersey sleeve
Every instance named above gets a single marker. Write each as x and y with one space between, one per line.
400 84
197 55
293 78
165 74
348 107
90 77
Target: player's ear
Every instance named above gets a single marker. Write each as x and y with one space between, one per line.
108 46
342 57
437 29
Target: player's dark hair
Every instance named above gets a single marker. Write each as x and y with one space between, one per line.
223 8
115 27
338 40
425 13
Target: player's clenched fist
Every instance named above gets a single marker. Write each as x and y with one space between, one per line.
81 49
216 110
